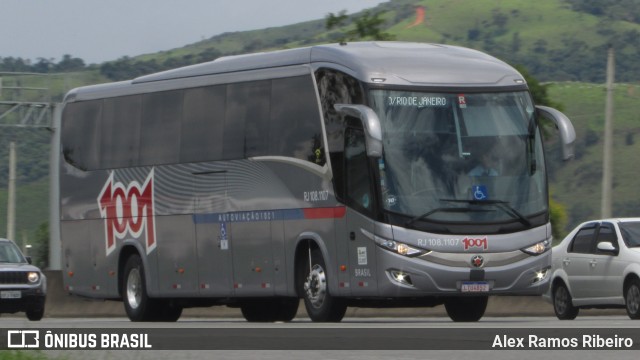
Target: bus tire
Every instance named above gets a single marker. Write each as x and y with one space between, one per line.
286 308
270 309
313 285
562 303
137 304
257 311
168 311
466 309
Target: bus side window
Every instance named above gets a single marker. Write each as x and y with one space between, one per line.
358 180
81 134
336 87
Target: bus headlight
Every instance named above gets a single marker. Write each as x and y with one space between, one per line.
538 248
402 248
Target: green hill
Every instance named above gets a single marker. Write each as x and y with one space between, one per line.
555 39
577 184
561 42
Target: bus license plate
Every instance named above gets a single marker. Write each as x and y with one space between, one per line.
475 286
10 294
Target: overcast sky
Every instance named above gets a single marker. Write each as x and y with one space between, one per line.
103 30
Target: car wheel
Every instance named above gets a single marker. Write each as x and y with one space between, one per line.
632 299
563 304
35 314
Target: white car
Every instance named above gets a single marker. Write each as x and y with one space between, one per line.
597 266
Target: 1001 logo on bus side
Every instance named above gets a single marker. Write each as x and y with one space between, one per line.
128 210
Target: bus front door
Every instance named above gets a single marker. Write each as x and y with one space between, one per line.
360 228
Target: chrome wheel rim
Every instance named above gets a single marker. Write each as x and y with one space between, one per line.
134 288
315 286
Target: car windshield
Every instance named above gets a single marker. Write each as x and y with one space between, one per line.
631 233
460 158
9 253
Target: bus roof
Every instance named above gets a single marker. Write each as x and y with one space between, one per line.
400 63
385 63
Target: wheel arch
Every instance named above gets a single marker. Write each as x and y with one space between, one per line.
559 277
557 281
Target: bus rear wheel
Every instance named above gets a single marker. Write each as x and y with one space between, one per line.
270 310
466 309
167 311
137 304
313 286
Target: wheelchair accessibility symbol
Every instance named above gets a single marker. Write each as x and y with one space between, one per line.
480 192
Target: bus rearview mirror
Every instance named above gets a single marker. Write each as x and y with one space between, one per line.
370 123
564 126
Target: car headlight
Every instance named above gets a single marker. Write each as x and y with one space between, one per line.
538 248
33 277
402 249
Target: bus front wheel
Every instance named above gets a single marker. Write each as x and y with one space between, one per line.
466 309
313 286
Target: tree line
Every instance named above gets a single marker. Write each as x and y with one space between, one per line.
42 65
120 69
573 60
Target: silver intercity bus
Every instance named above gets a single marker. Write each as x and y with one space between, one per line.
363 174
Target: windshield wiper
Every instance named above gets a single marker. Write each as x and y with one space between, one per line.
442 209
501 204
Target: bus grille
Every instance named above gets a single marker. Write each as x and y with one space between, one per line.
13 277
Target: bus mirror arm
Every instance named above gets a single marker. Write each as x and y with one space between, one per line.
564 126
370 123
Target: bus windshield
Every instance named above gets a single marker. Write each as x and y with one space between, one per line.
472 158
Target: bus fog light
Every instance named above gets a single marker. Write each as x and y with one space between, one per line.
401 277
541 275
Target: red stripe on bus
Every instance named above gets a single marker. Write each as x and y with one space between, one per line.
325 213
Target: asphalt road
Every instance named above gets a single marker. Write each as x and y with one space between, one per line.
353 338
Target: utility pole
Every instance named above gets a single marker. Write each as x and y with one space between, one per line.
11 202
607 158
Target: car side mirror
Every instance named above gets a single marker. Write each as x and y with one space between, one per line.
370 123
28 259
607 247
565 127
